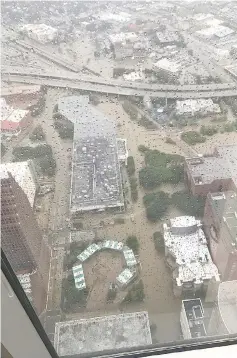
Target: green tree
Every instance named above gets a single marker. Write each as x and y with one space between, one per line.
142 148
132 243
48 165
158 239
130 165
130 109
37 134
156 205
3 149
136 293
188 204
133 186
208 130
192 137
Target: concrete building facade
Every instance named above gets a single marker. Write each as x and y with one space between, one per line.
25 175
220 222
223 318
22 241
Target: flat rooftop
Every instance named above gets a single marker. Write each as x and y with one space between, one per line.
205 170
96 179
194 312
103 333
229 154
222 164
188 246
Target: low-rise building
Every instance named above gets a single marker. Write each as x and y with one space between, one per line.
169 69
188 256
96 182
13 120
166 38
40 32
134 76
220 222
24 174
128 44
212 173
215 32
192 319
191 107
223 318
27 94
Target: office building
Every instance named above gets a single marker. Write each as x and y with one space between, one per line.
22 241
214 172
25 175
220 222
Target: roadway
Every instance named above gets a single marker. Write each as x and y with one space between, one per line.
27 71
116 90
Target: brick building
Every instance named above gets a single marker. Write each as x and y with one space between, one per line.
220 222
212 173
22 241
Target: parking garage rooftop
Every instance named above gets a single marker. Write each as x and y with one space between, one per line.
97 334
96 179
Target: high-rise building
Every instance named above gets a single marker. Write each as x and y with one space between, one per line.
22 241
25 175
220 222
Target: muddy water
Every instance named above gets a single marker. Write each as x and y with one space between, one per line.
156 277
216 140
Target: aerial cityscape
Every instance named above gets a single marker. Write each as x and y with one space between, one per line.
119 169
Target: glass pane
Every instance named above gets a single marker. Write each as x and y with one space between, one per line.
119 169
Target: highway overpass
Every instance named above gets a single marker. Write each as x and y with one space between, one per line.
116 90
25 71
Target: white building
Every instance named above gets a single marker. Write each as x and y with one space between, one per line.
194 106
218 31
134 76
192 319
40 32
188 256
169 68
24 174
